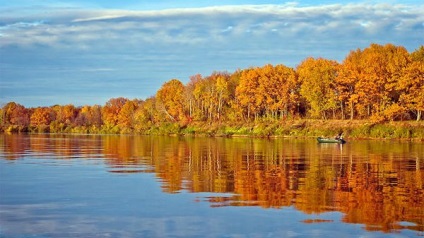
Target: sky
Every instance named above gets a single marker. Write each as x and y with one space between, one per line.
87 52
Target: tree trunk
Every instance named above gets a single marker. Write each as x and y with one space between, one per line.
419 114
190 108
170 116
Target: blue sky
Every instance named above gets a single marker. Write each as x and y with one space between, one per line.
87 52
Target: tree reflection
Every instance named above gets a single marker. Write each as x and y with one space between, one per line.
379 184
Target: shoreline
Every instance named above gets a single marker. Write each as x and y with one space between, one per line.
306 128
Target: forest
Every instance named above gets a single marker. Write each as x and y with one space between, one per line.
378 85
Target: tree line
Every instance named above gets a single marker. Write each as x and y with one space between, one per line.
378 83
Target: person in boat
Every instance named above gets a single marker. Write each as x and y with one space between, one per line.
339 136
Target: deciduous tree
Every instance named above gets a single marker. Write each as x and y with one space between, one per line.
15 114
171 99
381 68
349 73
411 84
42 117
246 93
317 77
125 116
110 112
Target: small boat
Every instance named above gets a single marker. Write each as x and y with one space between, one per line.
331 140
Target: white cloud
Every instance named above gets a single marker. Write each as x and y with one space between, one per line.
205 25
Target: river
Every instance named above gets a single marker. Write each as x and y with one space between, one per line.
163 186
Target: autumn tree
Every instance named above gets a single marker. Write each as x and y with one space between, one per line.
201 90
381 68
211 95
14 114
147 115
278 86
411 84
171 99
125 116
222 94
110 111
270 91
233 113
65 117
42 117
66 114
317 77
192 105
89 116
246 93
143 116
418 54
349 73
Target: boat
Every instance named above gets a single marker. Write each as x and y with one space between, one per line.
331 140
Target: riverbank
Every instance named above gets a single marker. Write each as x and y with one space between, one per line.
357 129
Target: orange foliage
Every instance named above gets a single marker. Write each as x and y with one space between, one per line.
171 98
42 116
317 77
267 91
112 109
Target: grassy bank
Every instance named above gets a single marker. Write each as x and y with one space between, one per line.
356 129
303 128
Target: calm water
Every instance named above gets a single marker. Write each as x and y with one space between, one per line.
140 186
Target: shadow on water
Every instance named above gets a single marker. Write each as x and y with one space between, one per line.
375 183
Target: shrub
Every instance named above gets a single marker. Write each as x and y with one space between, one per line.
382 131
361 131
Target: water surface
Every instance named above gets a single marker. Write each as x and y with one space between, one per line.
141 186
